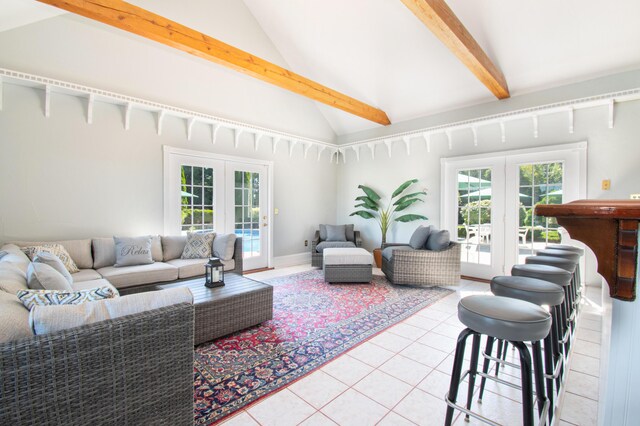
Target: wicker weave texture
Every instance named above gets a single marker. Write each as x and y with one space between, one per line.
134 370
347 273
317 259
424 267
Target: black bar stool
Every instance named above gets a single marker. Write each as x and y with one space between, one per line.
515 321
538 292
572 256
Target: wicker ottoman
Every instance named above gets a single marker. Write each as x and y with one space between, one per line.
346 265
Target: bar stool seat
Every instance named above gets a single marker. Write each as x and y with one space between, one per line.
566 247
565 254
544 272
532 290
559 262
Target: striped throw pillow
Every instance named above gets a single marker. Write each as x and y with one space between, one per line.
55 249
31 298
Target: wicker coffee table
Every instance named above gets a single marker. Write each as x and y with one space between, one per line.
240 303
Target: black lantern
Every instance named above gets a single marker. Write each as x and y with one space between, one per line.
214 273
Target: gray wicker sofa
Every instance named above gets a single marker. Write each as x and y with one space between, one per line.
407 266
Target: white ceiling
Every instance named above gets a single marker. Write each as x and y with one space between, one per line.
377 51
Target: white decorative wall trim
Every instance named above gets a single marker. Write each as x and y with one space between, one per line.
93 95
292 260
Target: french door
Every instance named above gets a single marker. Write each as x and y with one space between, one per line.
207 192
489 200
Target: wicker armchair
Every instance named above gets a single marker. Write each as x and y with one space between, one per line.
423 267
316 258
134 370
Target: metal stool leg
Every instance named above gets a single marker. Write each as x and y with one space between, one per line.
473 370
452 396
485 367
538 371
527 386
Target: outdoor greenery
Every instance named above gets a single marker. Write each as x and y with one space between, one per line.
385 216
477 212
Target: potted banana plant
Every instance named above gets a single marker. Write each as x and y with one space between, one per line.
371 207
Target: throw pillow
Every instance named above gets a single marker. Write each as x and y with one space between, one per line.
41 276
350 233
336 233
198 246
133 251
3 254
56 249
173 246
438 240
53 261
31 298
323 232
419 237
223 245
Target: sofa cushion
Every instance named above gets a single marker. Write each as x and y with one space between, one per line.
41 276
387 253
349 231
12 277
15 256
223 246
333 244
336 233
323 232
188 267
31 298
88 285
438 240
139 274
104 252
49 319
199 245
132 251
229 265
53 261
173 246
85 275
419 237
55 249
3 254
79 250
156 248
14 318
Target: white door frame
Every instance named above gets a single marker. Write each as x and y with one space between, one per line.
511 158
170 151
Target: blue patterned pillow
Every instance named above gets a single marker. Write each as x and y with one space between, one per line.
31 298
199 245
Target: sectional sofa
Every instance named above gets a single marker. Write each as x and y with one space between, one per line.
134 369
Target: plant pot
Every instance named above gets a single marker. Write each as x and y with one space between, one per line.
377 256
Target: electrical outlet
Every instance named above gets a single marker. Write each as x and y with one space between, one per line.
606 184
306 243
635 196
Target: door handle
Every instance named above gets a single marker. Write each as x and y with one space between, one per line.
264 224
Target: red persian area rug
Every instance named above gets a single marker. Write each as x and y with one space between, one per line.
313 322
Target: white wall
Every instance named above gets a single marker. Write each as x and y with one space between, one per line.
63 178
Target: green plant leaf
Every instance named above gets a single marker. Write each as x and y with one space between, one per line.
406 197
410 218
407 204
370 204
402 187
364 214
370 192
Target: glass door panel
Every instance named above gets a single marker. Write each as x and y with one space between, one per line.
474 215
197 194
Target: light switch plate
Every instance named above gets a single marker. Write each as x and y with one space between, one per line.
606 184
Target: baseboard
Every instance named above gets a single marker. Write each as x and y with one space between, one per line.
291 260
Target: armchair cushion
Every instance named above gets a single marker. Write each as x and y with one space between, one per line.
336 233
419 237
438 240
323 232
333 244
387 253
349 232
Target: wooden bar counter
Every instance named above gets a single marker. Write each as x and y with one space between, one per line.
610 229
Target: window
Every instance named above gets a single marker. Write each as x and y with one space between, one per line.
197 195
474 215
247 210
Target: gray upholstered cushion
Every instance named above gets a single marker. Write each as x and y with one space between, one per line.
85 275
199 245
565 264
15 256
53 261
41 276
156 248
566 247
223 245
14 318
88 285
49 319
419 237
565 254
323 232
173 246
132 251
3 254
504 318
139 274
336 233
438 240
12 277
79 250
544 272
387 253
188 267
228 264
350 232
333 244
104 252
532 290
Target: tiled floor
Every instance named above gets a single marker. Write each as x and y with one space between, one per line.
400 376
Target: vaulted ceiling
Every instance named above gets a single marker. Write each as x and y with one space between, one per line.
380 53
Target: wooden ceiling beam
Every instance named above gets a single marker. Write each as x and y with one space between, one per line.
142 22
442 22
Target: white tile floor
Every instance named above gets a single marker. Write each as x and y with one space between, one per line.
400 376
